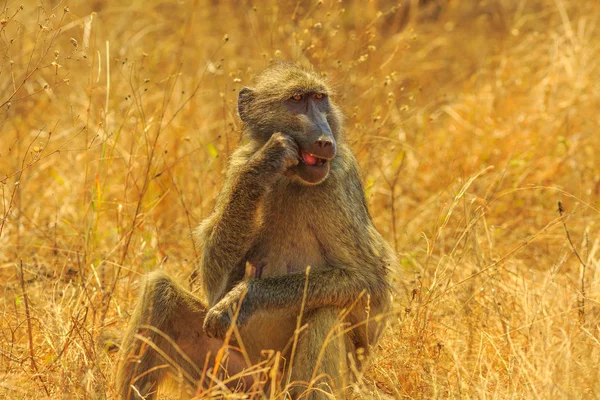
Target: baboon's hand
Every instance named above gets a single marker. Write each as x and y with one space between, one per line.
219 317
280 152
217 321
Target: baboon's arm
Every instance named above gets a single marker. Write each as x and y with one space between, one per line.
326 287
227 234
338 287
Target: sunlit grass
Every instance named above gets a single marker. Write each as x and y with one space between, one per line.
470 122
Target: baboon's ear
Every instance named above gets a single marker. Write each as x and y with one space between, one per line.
244 99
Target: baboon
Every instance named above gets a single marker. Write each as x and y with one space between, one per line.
292 199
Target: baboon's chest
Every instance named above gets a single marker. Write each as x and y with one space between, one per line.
288 241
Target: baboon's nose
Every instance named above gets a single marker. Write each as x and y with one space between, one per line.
323 147
323 142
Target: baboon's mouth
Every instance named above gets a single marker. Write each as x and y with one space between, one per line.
312 160
313 169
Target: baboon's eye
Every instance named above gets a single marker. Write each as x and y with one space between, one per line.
318 96
296 97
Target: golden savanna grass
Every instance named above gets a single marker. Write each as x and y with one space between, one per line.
471 121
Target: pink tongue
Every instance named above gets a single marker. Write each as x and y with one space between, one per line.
309 159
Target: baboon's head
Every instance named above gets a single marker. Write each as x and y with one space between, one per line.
295 102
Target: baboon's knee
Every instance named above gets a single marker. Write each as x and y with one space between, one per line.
162 296
148 350
163 288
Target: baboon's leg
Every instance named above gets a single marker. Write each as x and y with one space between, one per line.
320 361
169 319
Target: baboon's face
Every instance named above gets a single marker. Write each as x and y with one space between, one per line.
296 103
313 134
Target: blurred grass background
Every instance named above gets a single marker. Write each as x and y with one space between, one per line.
471 120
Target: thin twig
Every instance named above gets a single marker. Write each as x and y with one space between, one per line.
561 211
30 334
298 327
392 185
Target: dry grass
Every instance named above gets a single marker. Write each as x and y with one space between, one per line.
470 122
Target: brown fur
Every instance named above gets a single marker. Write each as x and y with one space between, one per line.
266 215
176 314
